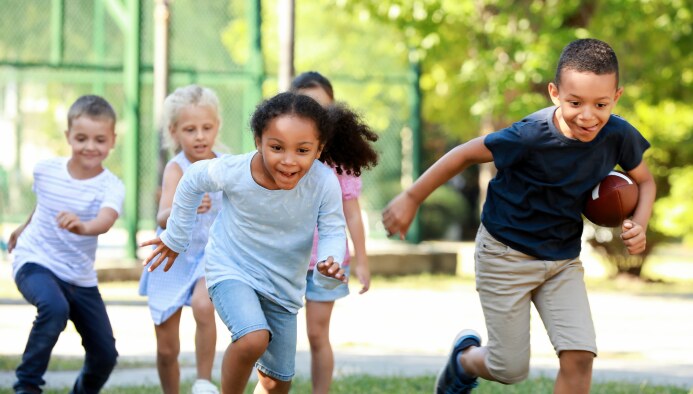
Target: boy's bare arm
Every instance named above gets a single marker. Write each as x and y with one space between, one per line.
400 212
103 222
634 230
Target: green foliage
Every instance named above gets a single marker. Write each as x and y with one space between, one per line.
486 64
443 211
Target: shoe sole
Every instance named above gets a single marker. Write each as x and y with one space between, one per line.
462 335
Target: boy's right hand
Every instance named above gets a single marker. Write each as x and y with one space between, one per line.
12 242
161 250
399 213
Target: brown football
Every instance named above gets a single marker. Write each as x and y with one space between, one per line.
612 200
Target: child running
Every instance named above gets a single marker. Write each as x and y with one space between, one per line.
260 244
191 117
77 199
320 301
528 245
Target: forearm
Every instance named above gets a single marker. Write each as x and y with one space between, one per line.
102 223
451 164
187 198
352 214
647 191
162 217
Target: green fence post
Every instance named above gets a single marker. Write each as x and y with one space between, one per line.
57 28
414 234
131 71
255 68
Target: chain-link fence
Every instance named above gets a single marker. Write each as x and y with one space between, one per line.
51 52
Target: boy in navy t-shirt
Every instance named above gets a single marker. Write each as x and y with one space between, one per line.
528 245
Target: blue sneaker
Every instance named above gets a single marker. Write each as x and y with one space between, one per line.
452 379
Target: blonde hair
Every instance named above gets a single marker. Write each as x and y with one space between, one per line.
181 98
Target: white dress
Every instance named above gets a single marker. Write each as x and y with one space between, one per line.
169 291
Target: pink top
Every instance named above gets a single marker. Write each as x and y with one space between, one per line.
351 189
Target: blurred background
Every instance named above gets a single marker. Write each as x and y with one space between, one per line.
427 75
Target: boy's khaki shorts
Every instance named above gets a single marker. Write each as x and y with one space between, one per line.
507 280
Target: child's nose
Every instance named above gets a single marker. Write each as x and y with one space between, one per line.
587 113
289 158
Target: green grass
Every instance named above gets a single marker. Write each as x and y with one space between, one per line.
67 363
363 384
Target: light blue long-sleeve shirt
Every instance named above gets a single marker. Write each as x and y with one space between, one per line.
261 237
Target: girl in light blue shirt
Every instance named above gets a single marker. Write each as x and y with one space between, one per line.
260 244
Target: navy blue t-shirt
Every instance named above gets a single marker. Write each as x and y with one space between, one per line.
535 201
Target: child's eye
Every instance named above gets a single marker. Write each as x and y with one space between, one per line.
303 150
275 148
574 103
601 105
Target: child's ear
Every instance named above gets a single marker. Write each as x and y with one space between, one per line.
618 94
553 92
320 151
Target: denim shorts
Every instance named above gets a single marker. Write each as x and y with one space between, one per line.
244 310
321 294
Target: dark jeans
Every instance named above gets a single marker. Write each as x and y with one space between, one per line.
56 302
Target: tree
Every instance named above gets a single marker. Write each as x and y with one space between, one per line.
486 63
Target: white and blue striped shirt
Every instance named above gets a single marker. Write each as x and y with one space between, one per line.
69 256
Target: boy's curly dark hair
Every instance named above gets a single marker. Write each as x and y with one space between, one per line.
345 138
587 55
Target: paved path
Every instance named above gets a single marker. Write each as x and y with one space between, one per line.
406 332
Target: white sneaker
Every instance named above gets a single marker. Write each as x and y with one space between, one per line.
204 386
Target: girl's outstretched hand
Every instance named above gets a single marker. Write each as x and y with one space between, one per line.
162 251
332 269
364 275
398 214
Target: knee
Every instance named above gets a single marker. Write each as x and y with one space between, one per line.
53 315
252 345
575 362
511 373
101 360
318 336
105 361
167 353
203 311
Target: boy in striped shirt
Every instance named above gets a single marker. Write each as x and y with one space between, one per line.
77 199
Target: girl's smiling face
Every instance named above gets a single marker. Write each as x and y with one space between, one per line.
288 147
585 101
195 131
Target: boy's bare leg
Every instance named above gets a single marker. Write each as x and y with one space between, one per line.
167 350
239 360
575 372
205 331
473 361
